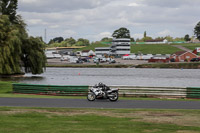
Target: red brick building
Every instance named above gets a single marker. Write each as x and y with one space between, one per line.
182 56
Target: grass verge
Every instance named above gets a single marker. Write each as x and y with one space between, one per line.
171 65
153 49
91 66
54 120
191 46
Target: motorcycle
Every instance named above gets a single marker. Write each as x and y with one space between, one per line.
102 91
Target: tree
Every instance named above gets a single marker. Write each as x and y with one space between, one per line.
9 7
187 38
71 41
169 38
82 42
197 30
132 39
10 47
178 39
145 34
33 55
16 48
147 38
121 33
106 39
58 39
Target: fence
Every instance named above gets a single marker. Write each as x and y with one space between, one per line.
124 91
158 92
193 92
50 89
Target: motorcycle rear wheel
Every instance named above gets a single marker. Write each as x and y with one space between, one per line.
114 98
91 96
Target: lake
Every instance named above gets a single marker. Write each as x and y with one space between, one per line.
115 76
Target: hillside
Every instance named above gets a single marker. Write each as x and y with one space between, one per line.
153 49
190 46
141 48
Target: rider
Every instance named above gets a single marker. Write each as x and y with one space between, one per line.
103 87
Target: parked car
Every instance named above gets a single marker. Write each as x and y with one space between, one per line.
96 60
195 60
112 60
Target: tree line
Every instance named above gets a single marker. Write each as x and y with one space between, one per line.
68 42
120 33
19 52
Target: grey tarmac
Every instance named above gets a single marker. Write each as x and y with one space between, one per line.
84 103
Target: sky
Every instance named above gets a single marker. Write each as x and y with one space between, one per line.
95 19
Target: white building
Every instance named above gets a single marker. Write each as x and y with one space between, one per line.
86 53
102 50
120 46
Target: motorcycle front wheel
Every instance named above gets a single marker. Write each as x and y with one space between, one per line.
114 97
91 96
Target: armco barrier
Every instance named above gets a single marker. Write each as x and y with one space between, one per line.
193 92
50 89
159 92
124 91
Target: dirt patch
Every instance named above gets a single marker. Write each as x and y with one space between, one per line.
171 118
186 131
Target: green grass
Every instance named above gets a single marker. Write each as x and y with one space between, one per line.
5 87
91 66
195 65
93 46
191 46
153 49
54 120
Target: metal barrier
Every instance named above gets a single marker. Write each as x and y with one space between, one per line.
161 92
124 91
50 89
193 92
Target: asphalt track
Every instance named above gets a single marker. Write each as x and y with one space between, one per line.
83 103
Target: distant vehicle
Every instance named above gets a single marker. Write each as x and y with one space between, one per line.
85 60
195 60
95 60
74 60
103 60
129 57
112 60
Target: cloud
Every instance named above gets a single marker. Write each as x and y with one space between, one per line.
100 35
165 33
95 19
135 36
58 5
69 33
36 22
133 4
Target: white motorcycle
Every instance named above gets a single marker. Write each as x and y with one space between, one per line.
102 91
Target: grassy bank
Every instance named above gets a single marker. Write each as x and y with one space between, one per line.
191 46
153 49
54 120
91 66
185 65
171 65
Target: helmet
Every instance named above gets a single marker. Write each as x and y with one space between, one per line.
100 84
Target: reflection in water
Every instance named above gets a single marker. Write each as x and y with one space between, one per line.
23 78
115 76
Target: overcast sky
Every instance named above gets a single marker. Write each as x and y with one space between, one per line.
95 19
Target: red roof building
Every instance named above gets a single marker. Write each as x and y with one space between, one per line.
182 56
